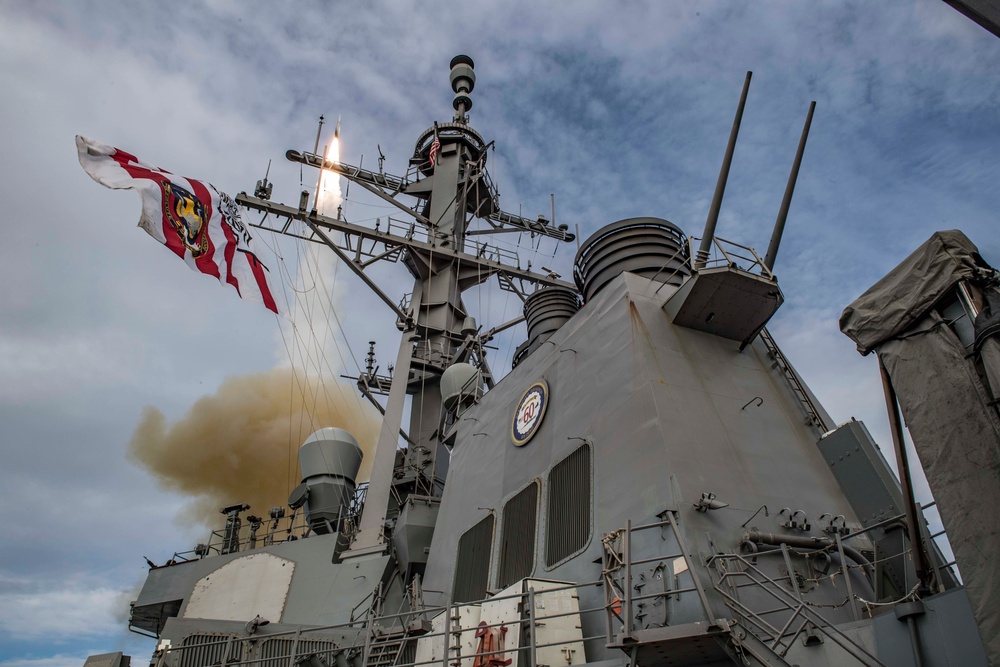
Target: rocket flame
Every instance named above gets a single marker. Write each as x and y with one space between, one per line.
328 196
312 338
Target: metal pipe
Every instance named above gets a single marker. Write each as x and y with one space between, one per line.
371 527
319 186
655 559
608 590
967 301
847 578
818 621
578 612
627 553
533 653
647 526
784 629
319 131
903 465
807 543
918 658
371 616
791 571
771 611
908 612
295 647
447 637
664 594
779 224
687 554
359 232
720 185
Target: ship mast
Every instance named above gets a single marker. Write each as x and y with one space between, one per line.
453 188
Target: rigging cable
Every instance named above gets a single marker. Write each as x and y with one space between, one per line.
333 312
285 279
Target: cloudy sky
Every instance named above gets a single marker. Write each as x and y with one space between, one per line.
619 109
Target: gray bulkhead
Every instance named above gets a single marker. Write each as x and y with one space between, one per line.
670 413
319 592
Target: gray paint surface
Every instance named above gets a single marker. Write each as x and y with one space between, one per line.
318 592
666 409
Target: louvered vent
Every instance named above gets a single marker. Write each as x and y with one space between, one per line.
472 569
202 650
568 527
277 651
517 536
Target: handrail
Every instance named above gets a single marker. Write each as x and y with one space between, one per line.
801 617
273 530
793 604
617 559
366 641
755 266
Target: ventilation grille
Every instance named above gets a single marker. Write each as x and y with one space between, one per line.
568 527
472 569
205 650
517 536
277 651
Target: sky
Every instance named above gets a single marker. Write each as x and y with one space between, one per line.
617 113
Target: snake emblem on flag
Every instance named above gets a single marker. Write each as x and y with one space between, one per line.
186 214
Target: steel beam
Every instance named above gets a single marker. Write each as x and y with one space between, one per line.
373 182
477 264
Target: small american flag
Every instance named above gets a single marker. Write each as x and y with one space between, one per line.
435 148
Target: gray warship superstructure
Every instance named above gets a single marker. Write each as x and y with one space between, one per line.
652 483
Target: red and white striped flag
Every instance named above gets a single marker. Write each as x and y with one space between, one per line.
435 148
200 224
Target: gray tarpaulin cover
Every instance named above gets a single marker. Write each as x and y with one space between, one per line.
946 405
902 297
987 328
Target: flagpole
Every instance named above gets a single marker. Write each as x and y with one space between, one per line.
319 132
319 180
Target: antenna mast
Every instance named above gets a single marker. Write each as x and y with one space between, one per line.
720 186
451 190
779 224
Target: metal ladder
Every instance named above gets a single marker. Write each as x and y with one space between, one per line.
387 650
812 414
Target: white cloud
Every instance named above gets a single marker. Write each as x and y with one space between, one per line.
52 367
618 114
57 610
57 660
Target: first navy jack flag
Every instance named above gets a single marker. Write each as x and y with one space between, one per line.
197 222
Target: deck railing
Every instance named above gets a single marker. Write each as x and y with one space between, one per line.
380 640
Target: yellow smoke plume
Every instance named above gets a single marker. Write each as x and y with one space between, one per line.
241 443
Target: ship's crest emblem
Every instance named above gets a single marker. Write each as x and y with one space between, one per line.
529 413
186 214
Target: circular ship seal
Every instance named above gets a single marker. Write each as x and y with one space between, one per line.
529 413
